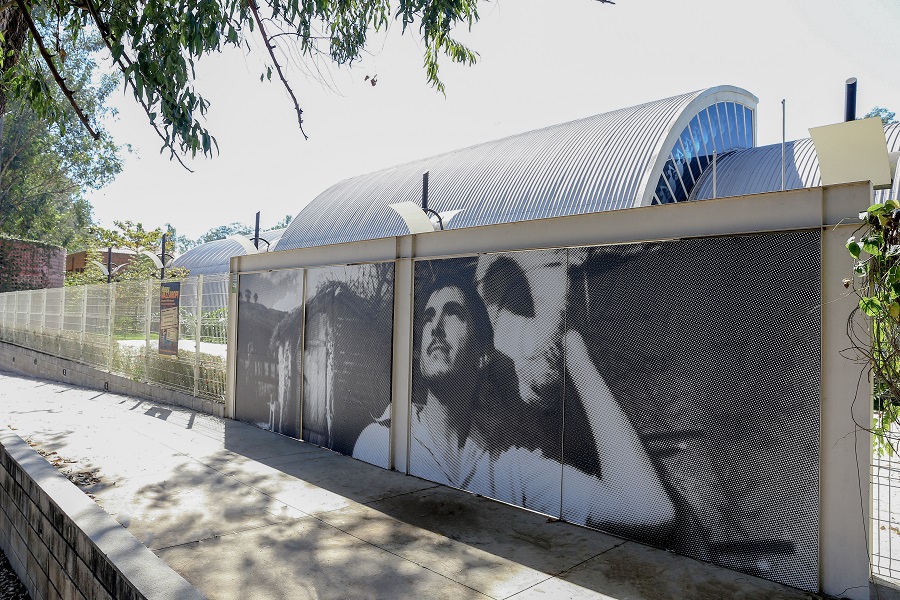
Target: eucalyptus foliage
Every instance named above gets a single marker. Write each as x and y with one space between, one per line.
156 43
47 167
126 235
876 251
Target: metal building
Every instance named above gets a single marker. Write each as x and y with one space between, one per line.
648 154
213 257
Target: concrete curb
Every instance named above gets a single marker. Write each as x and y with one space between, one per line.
62 545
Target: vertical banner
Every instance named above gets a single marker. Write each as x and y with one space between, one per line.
169 301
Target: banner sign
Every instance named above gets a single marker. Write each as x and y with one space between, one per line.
169 294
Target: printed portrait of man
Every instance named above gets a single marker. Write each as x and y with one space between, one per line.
458 379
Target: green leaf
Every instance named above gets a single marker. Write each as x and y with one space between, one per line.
872 244
870 305
853 247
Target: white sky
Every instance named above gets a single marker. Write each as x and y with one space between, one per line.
542 62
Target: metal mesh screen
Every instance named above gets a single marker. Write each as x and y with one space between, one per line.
267 386
684 374
347 359
886 511
115 327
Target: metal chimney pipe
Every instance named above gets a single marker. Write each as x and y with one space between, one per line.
425 191
256 232
850 102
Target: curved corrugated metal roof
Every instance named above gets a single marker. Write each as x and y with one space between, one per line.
214 257
758 170
599 163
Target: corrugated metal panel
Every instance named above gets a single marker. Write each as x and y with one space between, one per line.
214 257
758 170
590 165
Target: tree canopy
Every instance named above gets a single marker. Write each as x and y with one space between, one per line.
156 43
886 116
46 168
126 235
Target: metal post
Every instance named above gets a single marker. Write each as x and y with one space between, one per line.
15 316
714 174
111 325
109 264
43 318
162 257
198 323
62 320
256 232
28 320
84 303
148 317
783 138
425 191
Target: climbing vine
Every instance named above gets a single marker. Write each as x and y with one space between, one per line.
876 251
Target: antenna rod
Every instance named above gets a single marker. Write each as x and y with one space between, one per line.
256 234
425 191
714 173
108 264
783 137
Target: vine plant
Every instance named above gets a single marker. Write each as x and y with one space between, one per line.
876 250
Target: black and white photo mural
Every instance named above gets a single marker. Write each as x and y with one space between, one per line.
270 310
347 360
666 392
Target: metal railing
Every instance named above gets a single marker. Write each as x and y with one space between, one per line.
115 327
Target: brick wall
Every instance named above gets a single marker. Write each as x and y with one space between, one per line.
63 546
26 265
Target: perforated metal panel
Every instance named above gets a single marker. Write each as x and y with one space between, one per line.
267 386
347 359
688 376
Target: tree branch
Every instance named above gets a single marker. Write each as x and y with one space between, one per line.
104 34
270 47
56 76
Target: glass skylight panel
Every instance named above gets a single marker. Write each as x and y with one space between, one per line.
699 147
748 126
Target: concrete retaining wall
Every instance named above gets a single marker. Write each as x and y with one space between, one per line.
63 546
37 364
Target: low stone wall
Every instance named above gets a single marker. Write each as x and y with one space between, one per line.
63 546
24 361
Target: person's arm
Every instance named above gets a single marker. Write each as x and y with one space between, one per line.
628 491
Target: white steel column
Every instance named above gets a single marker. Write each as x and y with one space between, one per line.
401 377
846 406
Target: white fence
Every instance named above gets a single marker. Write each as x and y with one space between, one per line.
115 327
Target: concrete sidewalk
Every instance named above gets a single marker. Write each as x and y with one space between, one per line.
242 513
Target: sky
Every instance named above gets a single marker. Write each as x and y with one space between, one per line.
542 62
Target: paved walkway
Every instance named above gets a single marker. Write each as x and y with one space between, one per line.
242 513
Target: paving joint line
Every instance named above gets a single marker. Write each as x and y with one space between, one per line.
567 570
217 536
431 487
